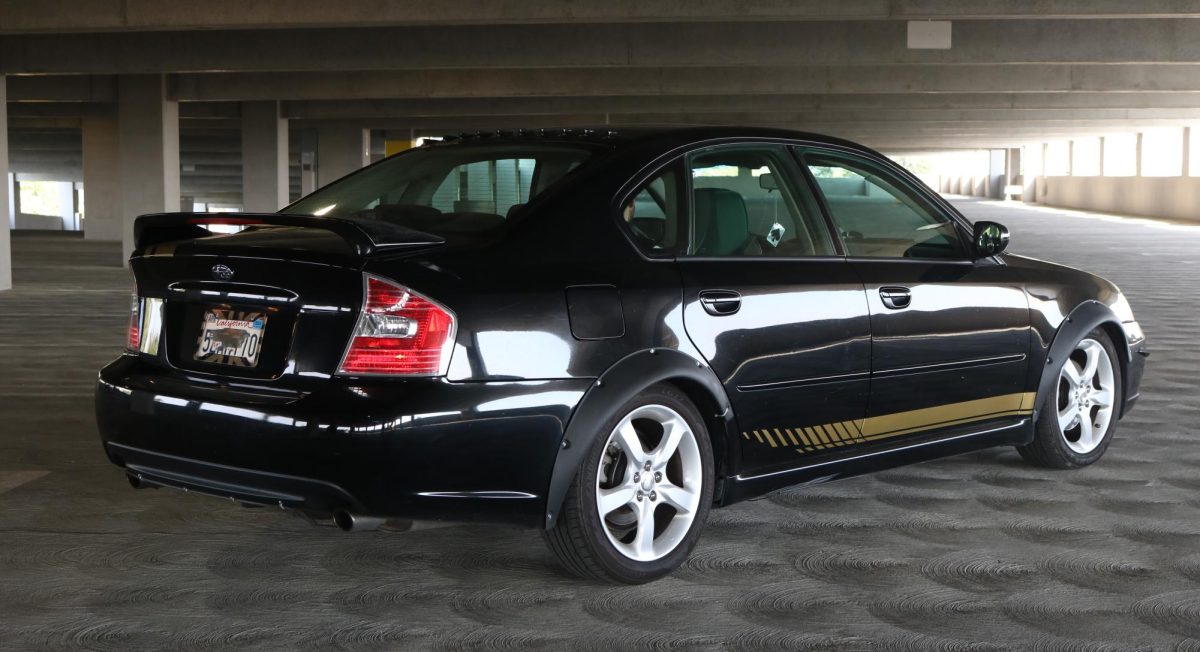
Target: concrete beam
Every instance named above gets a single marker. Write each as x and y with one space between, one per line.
103 199
144 15
1136 104
1111 118
149 144
1031 42
63 88
197 114
391 110
264 157
803 121
765 80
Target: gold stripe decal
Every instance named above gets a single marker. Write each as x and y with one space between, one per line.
932 416
884 426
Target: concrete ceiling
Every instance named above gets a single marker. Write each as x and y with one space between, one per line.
1019 70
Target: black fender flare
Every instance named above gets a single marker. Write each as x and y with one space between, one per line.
615 387
1081 321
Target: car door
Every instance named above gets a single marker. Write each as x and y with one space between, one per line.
950 334
779 314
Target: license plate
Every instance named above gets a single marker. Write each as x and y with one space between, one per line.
232 337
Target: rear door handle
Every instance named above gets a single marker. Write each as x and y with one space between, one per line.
895 297
720 302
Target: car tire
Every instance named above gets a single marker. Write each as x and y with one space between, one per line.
1062 439
676 490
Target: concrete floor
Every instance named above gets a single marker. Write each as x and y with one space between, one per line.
977 552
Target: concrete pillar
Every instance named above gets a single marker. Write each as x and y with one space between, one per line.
1102 156
5 245
1012 170
1139 155
148 123
308 172
264 158
1070 158
340 151
1034 162
996 179
10 182
66 205
1187 153
103 217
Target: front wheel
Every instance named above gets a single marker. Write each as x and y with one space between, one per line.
1079 417
640 498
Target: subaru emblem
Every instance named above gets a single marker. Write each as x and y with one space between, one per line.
222 272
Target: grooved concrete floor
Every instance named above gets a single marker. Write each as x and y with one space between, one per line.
977 552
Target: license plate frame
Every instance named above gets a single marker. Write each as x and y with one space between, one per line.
231 337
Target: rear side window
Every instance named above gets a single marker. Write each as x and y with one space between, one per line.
494 186
447 190
651 215
743 203
877 214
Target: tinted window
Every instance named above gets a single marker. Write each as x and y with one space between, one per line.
877 214
447 189
652 214
743 204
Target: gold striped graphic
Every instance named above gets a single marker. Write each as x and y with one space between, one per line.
807 439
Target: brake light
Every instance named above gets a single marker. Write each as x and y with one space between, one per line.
399 332
133 337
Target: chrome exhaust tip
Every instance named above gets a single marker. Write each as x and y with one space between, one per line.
348 522
135 480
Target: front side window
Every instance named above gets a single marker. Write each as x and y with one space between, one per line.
743 204
877 214
447 190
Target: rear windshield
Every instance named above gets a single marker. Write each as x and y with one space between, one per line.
447 190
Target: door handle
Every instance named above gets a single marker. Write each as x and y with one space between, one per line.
720 302
895 297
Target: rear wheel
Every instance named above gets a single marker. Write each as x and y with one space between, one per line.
1079 416
640 498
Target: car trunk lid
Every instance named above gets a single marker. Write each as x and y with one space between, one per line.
256 297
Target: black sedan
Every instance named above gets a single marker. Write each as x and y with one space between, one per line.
600 335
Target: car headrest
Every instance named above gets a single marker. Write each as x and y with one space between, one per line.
474 206
722 226
412 215
653 228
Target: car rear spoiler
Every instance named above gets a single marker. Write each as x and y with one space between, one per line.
366 236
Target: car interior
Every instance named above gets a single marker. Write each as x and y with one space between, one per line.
740 208
448 192
879 220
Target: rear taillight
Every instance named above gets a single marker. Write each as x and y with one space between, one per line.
399 333
133 337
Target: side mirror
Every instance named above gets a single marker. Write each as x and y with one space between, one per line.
990 239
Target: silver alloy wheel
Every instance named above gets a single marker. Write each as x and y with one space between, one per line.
647 498
1086 396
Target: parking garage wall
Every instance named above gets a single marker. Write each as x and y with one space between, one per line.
1175 198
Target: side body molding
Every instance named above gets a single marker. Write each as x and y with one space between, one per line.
618 385
1082 320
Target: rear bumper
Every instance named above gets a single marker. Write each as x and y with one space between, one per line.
421 449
